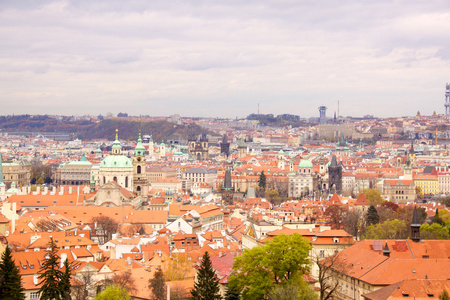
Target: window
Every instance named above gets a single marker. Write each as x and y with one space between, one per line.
34 295
322 253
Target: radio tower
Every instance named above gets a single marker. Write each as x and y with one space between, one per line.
447 99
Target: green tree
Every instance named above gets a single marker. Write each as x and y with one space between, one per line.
281 261
444 295
207 285
64 283
437 218
232 293
373 196
372 215
10 279
390 229
262 180
50 274
113 292
158 285
434 231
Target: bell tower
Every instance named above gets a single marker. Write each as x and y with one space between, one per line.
140 182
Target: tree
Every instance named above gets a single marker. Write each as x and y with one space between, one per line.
437 218
84 285
292 292
50 274
64 283
281 261
434 231
158 285
207 285
177 292
373 196
104 227
262 180
328 285
113 292
125 279
372 215
444 295
335 215
232 293
390 229
10 278
355 223
178 267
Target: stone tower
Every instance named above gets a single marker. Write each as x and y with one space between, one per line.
335 176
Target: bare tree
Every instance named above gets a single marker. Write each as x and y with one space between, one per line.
84 283
126 280
327 279
104 228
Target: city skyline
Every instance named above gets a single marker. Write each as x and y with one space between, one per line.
221 59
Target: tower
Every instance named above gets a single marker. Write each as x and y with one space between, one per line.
281 164
140 183
335 176
415 227
322 114
225 145
447 100
227 189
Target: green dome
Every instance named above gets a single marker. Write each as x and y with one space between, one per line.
305 164
281 152
116 161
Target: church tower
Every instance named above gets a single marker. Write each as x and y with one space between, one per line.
281 163
415 227
140 183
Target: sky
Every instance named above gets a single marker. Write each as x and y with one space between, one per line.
223 58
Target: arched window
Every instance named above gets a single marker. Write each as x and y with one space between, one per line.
139 169
115 179
104 179
126 181
138 189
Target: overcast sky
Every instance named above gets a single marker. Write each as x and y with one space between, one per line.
222 58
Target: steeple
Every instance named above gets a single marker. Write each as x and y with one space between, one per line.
386 251
415 227
140 149
117 147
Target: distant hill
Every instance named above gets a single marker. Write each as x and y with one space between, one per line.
88 130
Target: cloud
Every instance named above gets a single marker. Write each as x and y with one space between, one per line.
221 58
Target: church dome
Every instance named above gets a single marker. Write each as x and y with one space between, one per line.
116 161
305 164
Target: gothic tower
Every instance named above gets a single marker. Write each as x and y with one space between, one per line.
335 176
415 227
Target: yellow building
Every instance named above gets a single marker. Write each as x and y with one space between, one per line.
428 183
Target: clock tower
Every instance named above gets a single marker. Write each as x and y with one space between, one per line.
140 182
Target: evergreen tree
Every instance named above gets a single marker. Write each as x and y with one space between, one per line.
437 219
158 285
262 180
207 285
372 216
444 295
232 293
50 274
64 283
10 279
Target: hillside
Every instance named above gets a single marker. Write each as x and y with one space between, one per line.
89 130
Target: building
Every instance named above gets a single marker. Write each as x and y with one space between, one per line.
198 148
335 176
18 172
74 172
302 182
116 167
201 174
140 180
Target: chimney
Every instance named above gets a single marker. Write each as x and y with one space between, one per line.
70 190
63 259
13 221
35 279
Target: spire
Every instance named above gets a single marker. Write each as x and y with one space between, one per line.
117 147
83 158
386 251
333 161
140 149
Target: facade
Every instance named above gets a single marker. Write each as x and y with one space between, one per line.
116 167
201 174
399 191
74 173
301 183
18 172
198 148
